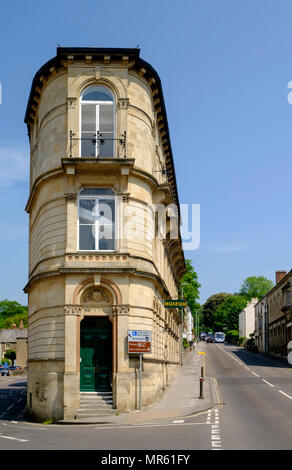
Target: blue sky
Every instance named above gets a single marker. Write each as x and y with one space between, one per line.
225 68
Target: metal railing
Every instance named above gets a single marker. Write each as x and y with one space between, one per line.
98 141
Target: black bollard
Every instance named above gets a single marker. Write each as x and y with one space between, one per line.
201 388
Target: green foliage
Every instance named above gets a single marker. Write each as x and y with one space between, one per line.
232 337
210 306
226 315
191 289
254 286
48 421
241 340
2 362
185 343
10 354
12 312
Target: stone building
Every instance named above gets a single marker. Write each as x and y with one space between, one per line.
262 325
100 165
14 339
280 314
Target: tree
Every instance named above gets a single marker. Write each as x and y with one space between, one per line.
10 354
254 286
226 316
191 287
210 306
11 312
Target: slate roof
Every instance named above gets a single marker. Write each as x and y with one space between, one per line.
10 335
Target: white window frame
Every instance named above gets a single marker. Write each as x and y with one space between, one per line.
96 224
97 105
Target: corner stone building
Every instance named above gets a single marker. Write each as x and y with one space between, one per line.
100 158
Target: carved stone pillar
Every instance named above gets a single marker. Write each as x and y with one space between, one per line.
72 314
71 200
123 105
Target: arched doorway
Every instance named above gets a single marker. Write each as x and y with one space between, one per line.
95 354
96 343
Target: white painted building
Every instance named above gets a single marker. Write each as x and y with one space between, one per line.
247 319
189 325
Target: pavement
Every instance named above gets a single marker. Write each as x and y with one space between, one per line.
179 400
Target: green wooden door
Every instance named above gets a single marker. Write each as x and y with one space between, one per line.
87 362
95 359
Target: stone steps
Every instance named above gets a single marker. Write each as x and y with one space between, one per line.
95 405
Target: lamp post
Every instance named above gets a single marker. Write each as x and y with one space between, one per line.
182 321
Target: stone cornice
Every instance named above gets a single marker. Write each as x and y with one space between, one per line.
48 174
98 270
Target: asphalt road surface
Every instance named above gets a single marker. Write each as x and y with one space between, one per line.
254 411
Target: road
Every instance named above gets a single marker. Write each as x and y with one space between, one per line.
254 411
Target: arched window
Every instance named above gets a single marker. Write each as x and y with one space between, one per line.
96 219
97 122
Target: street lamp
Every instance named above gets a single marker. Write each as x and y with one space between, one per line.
182 321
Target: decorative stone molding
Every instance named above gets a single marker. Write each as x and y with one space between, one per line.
71 103
126 197
72 310
123 103
100 258
96 295
121 309
72 197
109 285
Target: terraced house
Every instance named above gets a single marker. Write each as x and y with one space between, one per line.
100 165
280 314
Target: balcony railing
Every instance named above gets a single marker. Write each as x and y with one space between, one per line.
98 145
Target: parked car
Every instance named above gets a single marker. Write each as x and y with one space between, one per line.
210 339
14 368
4 371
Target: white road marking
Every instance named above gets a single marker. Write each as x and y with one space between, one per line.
271 385
216 442
133 426
283 393
14 438
209 417
178 421
268 383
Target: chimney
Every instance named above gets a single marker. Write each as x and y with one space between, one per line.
14 326
280 275
21 325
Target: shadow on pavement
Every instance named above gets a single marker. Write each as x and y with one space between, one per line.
18 384
257 359
12 399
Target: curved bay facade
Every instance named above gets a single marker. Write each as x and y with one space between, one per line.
101 162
